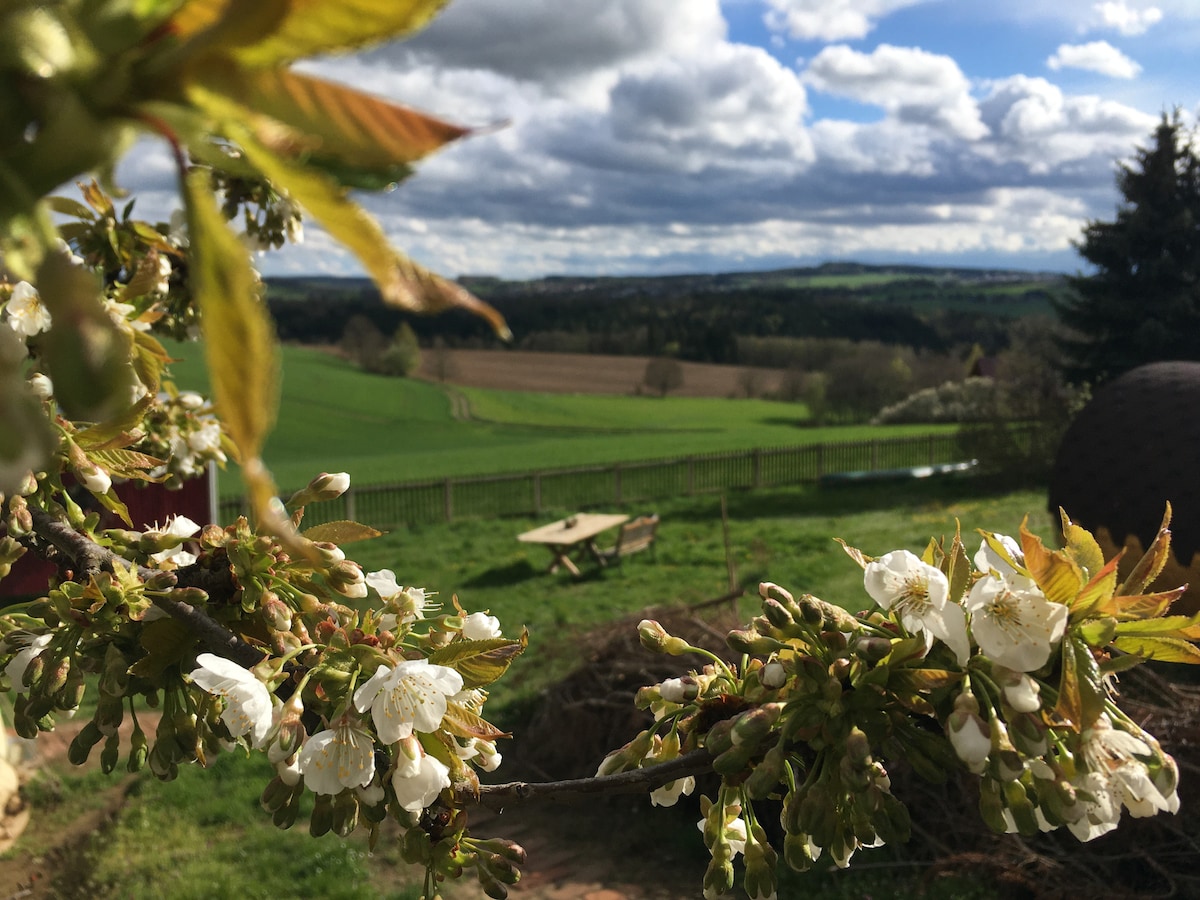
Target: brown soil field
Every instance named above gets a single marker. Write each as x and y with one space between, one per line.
585 373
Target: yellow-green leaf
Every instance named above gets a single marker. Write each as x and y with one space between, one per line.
1176 626
958 566
464 723
1163 649
335 122
128 464
855 554
1081 547
1145 606
1069 709
150 360
85 351
480 662
1058 577
117 432
1097 595
1150 566
310 27
239 338
341 532
401 282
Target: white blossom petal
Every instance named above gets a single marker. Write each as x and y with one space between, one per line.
248 708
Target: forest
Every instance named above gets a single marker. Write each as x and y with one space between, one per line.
700 317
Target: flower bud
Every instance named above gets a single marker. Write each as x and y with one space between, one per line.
81 747
321 820
329 487
969 734
94 478
753 643
773 675
110 753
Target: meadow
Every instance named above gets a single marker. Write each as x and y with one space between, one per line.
204 836
334 417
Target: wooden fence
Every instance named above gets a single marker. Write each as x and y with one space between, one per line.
581 487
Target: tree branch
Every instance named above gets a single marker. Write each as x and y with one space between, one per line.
636 781
89 559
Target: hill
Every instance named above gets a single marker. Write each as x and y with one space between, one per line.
700 317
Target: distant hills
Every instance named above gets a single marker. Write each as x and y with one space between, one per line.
700 316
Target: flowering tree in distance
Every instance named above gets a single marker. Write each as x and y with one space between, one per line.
359 688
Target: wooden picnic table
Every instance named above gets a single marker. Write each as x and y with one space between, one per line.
574 535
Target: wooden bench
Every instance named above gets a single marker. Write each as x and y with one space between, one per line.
634 536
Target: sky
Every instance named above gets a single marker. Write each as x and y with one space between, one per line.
646 137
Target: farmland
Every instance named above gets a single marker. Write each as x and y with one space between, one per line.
335 418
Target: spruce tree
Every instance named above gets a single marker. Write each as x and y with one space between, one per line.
1142 302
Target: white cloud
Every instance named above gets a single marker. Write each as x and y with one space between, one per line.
917 87
830 20
1094 56
1126 19
1034 123
563 45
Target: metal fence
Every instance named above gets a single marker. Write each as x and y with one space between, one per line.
580 487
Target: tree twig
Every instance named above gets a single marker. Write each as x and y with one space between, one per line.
89 559
636 781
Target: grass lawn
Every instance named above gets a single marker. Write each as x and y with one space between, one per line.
334 417
204 835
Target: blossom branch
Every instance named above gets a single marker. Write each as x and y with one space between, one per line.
89 559
635 781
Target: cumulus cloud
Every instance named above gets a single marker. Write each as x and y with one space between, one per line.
1095 56
562 44
1127 20
830 20
917 87
1033 122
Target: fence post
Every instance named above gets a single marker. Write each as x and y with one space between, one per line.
874 454
617 481
537 493
756 466
349 495
820 461
691 475
448 499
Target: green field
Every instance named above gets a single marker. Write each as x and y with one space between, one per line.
334 417
204 835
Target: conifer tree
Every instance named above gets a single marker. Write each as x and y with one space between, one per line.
1142 302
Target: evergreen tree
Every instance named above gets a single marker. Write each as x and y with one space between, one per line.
1142 304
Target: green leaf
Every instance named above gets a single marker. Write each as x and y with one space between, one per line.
68 206
239 338
85 351
1164 625
167 642
1163 649
341 532
128 464
150 360
480 662
117 432
1070 704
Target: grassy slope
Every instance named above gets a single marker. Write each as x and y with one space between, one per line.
334 417
204 834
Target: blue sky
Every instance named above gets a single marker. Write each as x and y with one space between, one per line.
662 136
